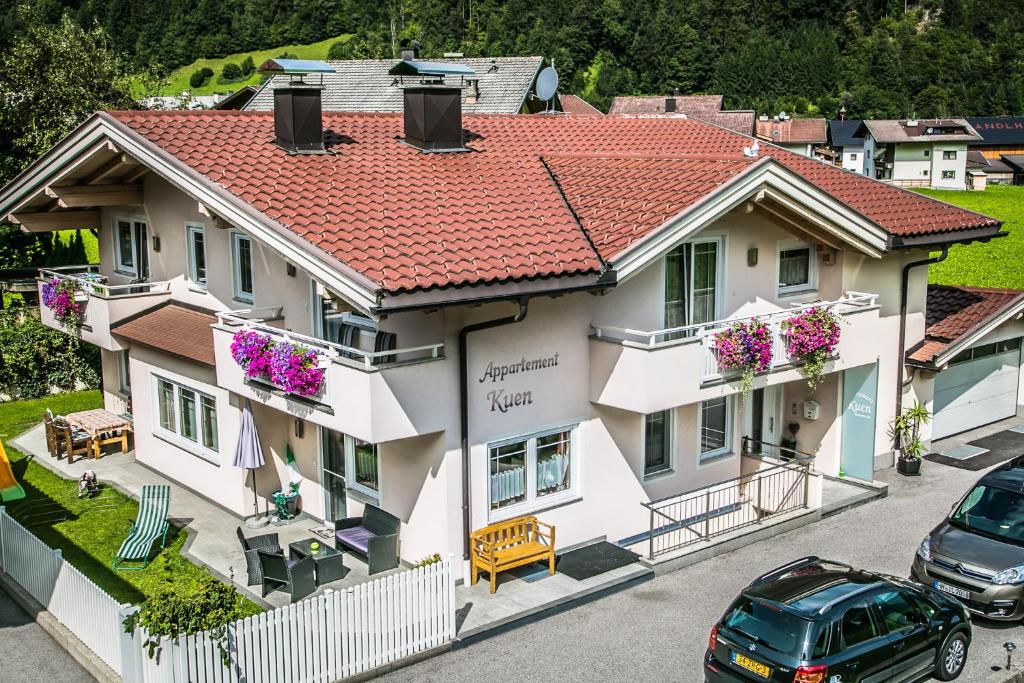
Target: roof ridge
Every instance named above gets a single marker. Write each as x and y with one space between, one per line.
643 155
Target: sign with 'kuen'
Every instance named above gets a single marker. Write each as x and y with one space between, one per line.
500 399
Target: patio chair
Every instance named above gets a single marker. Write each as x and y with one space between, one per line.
150 525
298 577
267 542
62 438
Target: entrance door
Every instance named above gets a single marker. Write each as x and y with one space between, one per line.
763 419
332 475
857 448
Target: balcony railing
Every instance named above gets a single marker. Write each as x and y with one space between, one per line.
91 283
252 319
705 332
699 515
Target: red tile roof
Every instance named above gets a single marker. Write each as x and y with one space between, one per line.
572 104
793 130
173 329
644 105
954 312
409 220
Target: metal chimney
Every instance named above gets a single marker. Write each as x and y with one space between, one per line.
298 119
433 118
409 50
670 105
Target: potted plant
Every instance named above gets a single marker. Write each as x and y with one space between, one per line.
812 336
906 434
744 346
60 295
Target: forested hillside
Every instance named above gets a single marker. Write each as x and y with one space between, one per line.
805 56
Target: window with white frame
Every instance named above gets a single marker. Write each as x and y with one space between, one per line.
531 470
187 414
196 234
927 152
797 267
363 461
657 443
124 246
948 175
715 427
949 154
241 258
853 157
124 383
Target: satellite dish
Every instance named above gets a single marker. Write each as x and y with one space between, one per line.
547 83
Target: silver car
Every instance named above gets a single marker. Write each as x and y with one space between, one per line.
977 553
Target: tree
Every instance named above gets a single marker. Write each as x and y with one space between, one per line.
231 72
248 66
197 79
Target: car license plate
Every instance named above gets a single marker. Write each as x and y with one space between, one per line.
952 590
749 664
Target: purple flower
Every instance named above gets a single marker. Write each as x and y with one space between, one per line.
59 296
292 367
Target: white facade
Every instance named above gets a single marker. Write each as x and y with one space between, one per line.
853 159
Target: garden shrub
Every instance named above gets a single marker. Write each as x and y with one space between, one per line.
197 79
248 66
231 71
36 359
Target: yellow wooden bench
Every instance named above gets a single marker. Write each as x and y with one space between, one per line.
511 544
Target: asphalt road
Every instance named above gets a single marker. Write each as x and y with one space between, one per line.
658 631
27 653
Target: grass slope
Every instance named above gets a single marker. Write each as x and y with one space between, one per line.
998 263
88 532
178 80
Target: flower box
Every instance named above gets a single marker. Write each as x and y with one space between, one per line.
811 336
744 347
292 367
65 298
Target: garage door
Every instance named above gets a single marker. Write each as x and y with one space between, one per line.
979 386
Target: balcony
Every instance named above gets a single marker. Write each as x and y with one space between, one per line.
646 372
104 305
374 396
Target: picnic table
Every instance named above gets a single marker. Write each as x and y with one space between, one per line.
103 427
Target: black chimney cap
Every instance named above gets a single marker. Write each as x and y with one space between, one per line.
298 119
433 118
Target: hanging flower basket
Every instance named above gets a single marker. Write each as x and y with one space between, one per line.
60 295
744 347
294 368
812 336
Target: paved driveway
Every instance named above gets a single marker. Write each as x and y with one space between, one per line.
27 653
658 631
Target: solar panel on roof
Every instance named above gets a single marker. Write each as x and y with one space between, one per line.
296 66
417 68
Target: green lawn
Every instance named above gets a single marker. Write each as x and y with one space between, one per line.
88 532
178 79
998 263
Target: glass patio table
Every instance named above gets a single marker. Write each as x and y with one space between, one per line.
328 562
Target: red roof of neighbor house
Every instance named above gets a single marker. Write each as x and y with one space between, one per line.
793 130
409 220
174 329
571 104
954 312
646 105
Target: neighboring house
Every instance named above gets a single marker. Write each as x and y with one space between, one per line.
707 108
237 99
849 148
996 171
968 365
1016 163
918 153
577 106
498 85
522 321
999 135
796 135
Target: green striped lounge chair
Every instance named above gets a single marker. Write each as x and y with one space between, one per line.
150 525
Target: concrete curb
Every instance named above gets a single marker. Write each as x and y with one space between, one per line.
1014 676
88 660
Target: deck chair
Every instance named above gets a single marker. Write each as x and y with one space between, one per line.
150 525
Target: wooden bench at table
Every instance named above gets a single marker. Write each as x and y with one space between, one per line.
511 544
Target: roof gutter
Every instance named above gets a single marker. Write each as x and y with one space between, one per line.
902 352
957 237
464 333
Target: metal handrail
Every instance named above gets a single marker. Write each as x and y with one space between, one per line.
91 287
851 300
327 348
725 482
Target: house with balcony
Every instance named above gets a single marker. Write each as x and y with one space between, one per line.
483 317
918 153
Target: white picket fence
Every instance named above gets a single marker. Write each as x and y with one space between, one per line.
325 638
76 602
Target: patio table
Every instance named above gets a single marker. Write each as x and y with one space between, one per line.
100 421
328 562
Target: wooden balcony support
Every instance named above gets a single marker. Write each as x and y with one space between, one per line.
47 221
79 196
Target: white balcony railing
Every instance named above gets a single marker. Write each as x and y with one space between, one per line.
705 333
256 319
91 283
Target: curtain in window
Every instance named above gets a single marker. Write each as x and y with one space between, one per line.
794 267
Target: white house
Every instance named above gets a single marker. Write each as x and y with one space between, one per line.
513 314
849 148
918 153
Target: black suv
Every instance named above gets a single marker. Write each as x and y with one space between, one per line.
818 621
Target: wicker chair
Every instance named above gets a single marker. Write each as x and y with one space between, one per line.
251 547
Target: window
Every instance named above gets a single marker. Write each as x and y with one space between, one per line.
715 425
692 275
858 626
125 247
352 464
365 465
949 154
186 414
241 256
898 611
657 443
531 469
925 172
983 350
853 157
948 175
123 378
196 254
927 152
131 255
797 271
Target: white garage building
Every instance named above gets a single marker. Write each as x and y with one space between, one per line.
970 357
